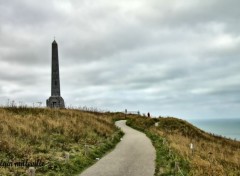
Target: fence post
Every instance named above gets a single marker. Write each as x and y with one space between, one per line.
31 171
192 148
66 156
176 167
85 149
164 141
169 153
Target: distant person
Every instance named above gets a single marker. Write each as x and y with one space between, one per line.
148 114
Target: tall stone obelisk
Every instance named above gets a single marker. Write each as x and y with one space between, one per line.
55 101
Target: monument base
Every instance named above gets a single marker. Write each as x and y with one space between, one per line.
55 102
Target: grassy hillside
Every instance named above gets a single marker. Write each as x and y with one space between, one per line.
51 135
212 155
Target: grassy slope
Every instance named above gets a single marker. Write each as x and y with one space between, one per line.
47 134
213 155
27 133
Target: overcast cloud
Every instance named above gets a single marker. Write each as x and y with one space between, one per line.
176 58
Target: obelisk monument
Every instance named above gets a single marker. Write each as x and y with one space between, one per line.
55 101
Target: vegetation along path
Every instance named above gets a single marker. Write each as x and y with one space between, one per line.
133 156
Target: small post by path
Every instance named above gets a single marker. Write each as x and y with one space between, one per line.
176 167
164 141
125 113
169 152
192 148
66 156
31 171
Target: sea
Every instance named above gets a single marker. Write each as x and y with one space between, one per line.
229 128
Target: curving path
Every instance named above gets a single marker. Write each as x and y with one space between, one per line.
133 156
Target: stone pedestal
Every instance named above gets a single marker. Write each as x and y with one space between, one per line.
55 102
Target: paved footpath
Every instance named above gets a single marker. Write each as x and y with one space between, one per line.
133 156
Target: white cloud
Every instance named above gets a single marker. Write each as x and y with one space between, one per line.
168 57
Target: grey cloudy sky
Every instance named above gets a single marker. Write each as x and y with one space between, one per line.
179 58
